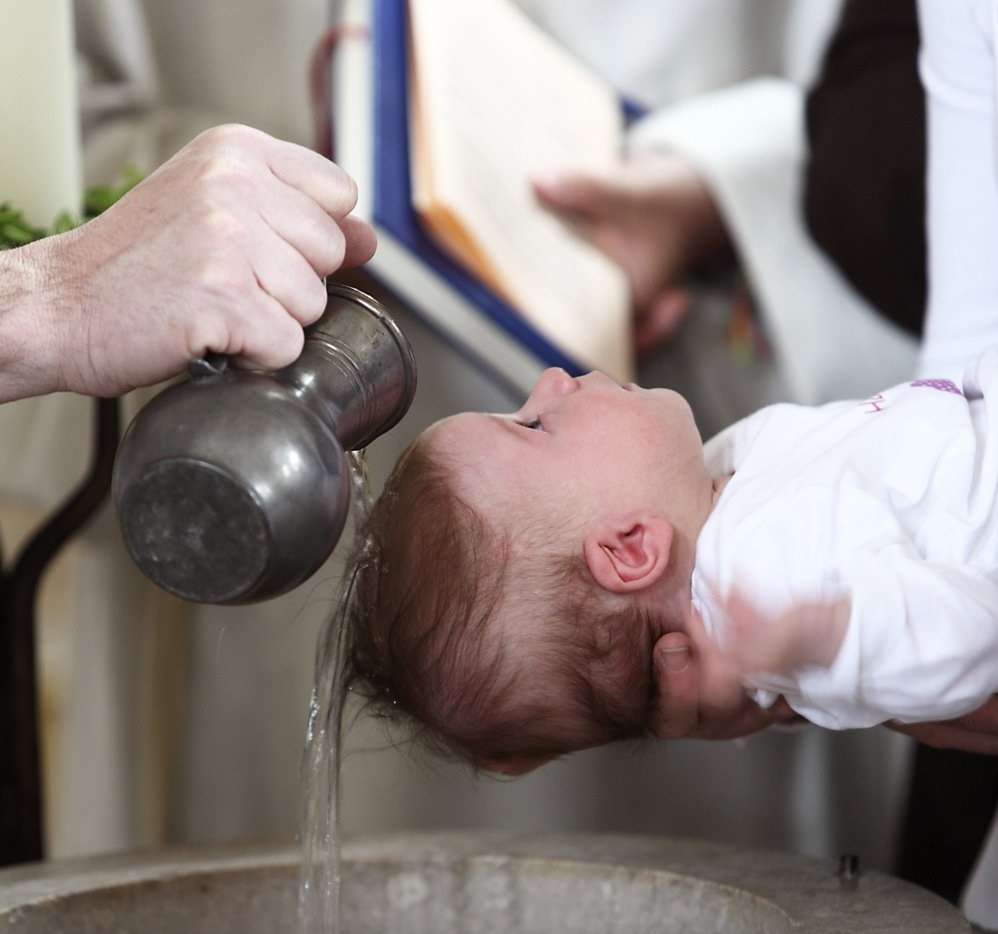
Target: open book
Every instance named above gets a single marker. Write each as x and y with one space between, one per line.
493 102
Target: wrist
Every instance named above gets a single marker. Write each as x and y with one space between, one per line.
699 218
35 305
688 205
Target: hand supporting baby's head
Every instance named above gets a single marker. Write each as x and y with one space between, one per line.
522 568
488 634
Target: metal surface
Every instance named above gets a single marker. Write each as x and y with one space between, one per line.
232 486
848 871
477 883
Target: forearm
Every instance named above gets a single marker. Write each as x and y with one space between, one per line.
32 303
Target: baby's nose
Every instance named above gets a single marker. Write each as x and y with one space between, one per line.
554 382
599 377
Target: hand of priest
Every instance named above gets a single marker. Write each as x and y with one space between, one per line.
654 216
220 250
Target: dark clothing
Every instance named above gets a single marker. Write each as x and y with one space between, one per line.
950 803
864 197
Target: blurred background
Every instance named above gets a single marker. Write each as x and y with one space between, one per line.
166 723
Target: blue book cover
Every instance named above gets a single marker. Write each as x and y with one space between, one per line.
392 198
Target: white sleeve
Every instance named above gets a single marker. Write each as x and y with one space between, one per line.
957 65
922 645
747 142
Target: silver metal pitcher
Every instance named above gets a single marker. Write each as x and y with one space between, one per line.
233 486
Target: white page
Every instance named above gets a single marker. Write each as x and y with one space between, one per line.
500 101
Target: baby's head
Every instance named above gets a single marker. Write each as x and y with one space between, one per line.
521 568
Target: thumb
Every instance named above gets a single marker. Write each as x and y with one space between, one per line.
586 195
675 711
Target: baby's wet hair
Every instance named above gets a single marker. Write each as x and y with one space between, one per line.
495 658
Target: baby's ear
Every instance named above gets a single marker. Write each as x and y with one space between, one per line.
628 556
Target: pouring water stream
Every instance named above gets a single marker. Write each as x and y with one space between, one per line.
319 888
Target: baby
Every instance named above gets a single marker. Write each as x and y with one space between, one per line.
522 568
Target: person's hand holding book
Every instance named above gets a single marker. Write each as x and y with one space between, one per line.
655 217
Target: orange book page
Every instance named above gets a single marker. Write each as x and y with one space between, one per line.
446 229
493 102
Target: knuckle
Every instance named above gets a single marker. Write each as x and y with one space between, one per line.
223 171
221 277
204 332
220 225
227 135
225 163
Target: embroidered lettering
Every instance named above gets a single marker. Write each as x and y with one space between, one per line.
874 404
943 385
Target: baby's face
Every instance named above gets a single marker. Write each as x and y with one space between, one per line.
579 447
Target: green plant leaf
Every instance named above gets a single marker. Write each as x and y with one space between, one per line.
64 222
15 231
17 235
99 199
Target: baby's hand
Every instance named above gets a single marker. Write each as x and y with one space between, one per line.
807 634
